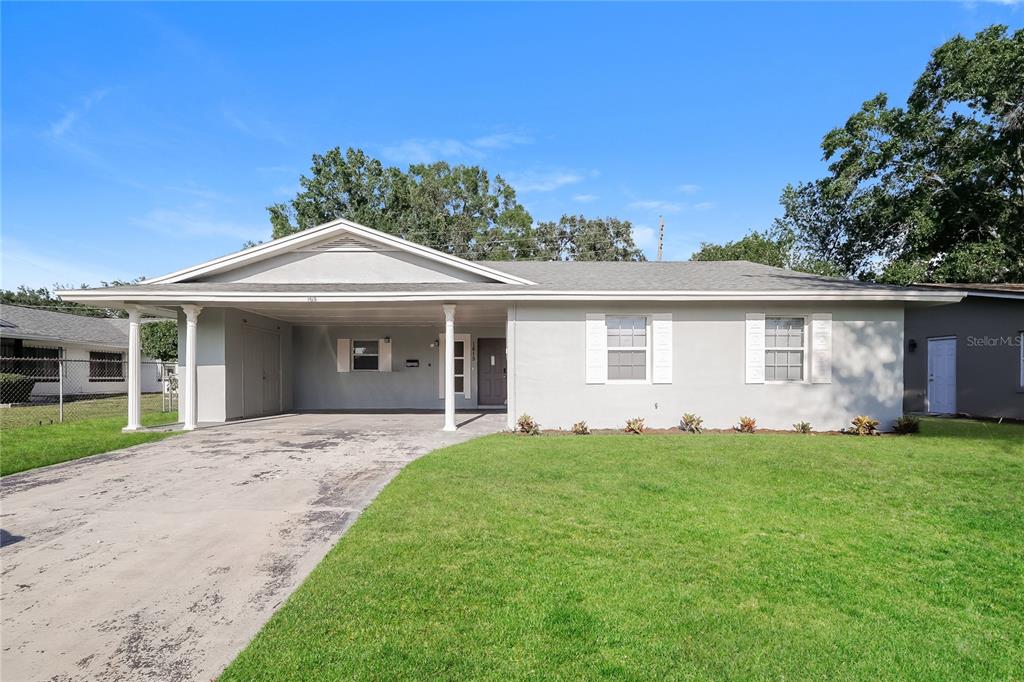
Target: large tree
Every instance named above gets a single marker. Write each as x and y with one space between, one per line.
576 237
458 209
933 190
777 247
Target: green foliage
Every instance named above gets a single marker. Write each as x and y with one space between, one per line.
802 427
691 423
636 425
580 428
864 425
15 388
908 423
44 299
160 340
527 426
776 247
747 425
459 210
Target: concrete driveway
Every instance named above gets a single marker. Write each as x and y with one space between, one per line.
161 561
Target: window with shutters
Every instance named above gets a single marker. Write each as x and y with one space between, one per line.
627 347
785 345
365 355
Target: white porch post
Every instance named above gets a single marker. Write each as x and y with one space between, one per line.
510 364
134 369
191 416
449 366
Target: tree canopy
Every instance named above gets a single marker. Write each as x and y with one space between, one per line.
932 191
159 339
461 210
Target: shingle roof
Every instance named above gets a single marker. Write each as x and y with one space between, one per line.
983 288
47 325
575 276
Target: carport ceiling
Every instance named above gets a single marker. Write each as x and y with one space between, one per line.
395 314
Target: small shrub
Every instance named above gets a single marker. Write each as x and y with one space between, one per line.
691 423
635 425
747 425
802 427
15 388
527 426
864 425
907 424
580 428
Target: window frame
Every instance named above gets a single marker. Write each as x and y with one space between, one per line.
94 379
1020 354
646 317
804 349
353 355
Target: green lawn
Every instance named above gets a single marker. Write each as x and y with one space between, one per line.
28 447
76 410
675 557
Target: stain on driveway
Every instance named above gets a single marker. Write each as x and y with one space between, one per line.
161 561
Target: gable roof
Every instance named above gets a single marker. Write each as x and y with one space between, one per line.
551 280
19 322
335 229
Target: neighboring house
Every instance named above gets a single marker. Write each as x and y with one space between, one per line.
343 317
968 358
32 340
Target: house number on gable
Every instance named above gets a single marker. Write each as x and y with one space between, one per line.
311 299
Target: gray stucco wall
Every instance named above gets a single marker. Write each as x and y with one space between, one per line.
987 357
219 355
708 368
319 386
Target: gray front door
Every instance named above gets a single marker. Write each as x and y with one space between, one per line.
493 368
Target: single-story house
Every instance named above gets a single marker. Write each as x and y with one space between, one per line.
967 358
94 348
344 317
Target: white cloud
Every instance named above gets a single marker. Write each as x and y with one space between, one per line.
584 198
658 205
645 236
24 265
197 222
543 180
65 123
704 206
427 150
689 189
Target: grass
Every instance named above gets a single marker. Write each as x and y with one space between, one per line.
685 557
28 447
75 410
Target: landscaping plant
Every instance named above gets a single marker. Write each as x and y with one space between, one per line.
527 426
908 423
580 428
802 427
691 423
747 425
864 425
635 425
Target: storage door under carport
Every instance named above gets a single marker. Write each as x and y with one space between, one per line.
261 372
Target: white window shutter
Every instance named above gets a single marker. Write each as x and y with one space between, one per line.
384 355
821 348
344 355
597 349
755 348
661 346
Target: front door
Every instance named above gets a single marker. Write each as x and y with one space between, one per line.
942 376
492 372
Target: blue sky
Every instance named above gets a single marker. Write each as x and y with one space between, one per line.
138 139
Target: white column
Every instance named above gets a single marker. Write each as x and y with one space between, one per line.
510 364
134 371
449 366
191 406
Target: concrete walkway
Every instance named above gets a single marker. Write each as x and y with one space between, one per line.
160 562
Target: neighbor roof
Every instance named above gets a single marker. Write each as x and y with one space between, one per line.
34 324
984 289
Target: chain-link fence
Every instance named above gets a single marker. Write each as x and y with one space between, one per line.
53 389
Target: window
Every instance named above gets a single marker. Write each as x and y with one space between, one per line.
42 364
106 366
365 355
460 366
627 348
784 348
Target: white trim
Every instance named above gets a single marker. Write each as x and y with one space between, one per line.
804 349
595 356
467 364
1020 347
662 358
510 359
173 297
821 348
321 232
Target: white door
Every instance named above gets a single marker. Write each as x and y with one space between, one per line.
942 376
